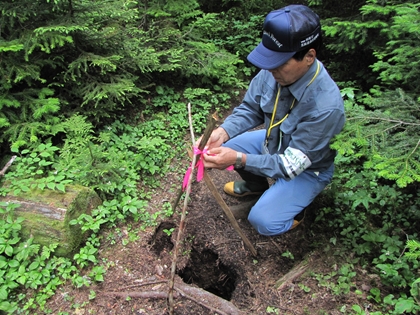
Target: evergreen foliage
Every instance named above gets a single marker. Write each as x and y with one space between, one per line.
383 132
382 37
398 63
99 58
72 71
414 249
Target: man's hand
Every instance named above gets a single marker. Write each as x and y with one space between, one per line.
217 138
220 158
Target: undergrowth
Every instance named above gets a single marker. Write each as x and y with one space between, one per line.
121 163
375 215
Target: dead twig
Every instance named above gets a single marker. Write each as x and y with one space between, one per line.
142 284
8 164
275 244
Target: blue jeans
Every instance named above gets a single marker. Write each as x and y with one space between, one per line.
274 212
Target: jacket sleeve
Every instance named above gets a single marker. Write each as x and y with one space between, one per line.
308 148
248 114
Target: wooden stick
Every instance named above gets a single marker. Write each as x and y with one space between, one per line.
204 139
181 227
211 123
228 212
209 129
200 296
207 132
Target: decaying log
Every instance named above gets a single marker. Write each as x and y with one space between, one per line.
47 214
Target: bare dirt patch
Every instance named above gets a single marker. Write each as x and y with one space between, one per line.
216 273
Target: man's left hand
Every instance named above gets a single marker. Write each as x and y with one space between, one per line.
219 158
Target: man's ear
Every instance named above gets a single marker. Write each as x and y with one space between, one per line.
310 56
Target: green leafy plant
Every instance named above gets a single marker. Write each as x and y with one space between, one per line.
374 131
304 288
169 232
272 309
288 254
34 170
339 282
413 247
24 264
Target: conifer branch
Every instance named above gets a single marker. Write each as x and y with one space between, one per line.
400 122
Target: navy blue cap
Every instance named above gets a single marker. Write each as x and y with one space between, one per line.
285 32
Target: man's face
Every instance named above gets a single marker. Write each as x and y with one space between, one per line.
292 70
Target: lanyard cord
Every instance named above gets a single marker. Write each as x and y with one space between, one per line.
290 109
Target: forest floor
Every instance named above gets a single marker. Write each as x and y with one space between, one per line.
216 273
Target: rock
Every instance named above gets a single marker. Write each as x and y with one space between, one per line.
47 214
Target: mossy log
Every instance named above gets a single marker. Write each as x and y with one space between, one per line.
47 214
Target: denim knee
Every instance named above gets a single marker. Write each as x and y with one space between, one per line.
264 225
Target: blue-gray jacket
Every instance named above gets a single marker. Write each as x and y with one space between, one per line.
302 142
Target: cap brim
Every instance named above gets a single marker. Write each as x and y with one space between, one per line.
268 59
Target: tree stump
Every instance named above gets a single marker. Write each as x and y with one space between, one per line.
47 214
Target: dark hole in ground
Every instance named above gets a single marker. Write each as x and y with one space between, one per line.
161 240
209 273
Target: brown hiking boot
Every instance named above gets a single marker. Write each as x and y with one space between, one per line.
298 219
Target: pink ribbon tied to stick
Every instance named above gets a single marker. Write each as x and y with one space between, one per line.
200 167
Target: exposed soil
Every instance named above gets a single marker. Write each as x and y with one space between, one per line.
216 272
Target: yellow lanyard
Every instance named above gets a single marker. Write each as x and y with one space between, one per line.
290 109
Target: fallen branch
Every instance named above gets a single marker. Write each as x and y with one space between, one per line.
202 297
142 284
139 295
8 164
293 274
205 298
